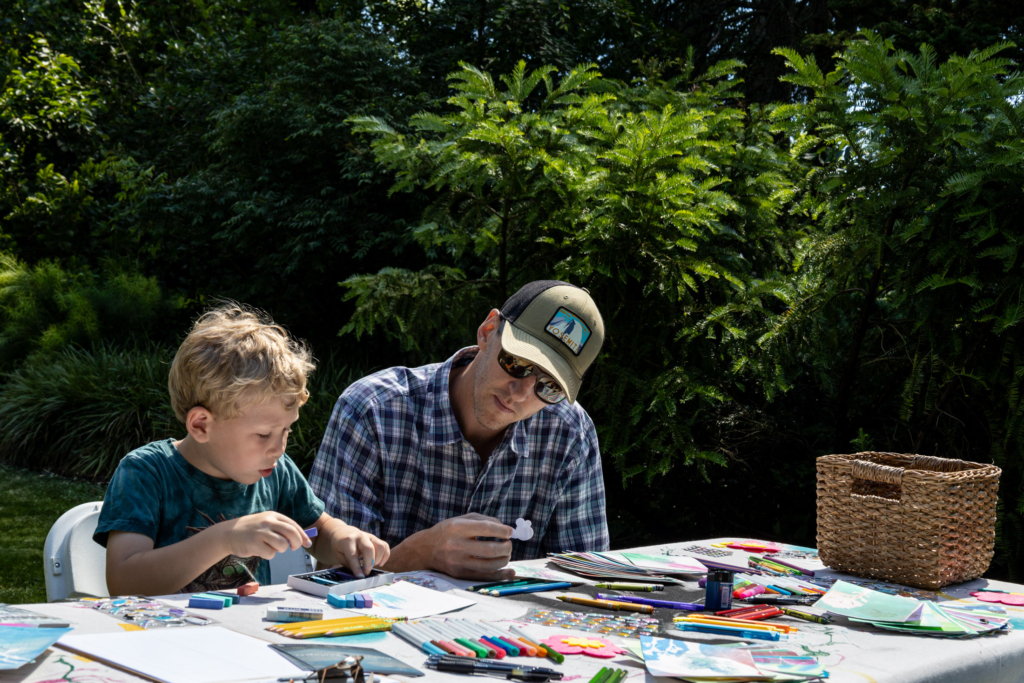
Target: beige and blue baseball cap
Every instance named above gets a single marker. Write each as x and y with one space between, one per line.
556 326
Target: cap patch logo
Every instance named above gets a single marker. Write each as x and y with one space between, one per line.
568 327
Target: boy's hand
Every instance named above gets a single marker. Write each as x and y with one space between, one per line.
264 534
355 549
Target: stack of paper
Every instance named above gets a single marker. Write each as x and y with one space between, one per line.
698 661
630 566
907 615
404 599
19 645
703 662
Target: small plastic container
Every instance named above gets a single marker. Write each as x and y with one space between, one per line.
719 591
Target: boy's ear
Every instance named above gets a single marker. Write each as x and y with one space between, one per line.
197 422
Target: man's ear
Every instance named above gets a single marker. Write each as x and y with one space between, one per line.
198 423
488 328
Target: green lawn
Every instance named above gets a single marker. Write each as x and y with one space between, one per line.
30 502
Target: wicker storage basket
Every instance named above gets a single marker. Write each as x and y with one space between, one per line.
915 520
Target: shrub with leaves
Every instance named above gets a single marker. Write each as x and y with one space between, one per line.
908 301
45 308
661 197
106 400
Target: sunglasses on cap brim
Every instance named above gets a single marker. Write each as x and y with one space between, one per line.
546 388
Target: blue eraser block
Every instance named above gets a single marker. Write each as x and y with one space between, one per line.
235 597
205 603
341 601
360 603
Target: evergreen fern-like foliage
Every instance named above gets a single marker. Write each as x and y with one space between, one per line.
658 196
907 300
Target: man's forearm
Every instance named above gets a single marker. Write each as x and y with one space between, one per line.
411 555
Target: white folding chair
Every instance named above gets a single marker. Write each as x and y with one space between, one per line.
290 562
74 565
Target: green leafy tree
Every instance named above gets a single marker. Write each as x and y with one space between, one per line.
660 199
279 200
907 299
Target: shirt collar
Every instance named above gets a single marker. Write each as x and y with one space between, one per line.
444 428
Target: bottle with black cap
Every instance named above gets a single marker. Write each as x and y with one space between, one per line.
719 590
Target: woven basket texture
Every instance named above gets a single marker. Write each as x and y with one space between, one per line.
916 520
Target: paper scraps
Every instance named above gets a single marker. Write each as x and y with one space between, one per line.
586 645
524 530
1006 598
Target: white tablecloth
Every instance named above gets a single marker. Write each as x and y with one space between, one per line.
852 654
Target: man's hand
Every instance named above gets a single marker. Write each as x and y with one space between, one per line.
264 534
454 548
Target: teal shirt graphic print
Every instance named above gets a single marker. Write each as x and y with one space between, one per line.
157 493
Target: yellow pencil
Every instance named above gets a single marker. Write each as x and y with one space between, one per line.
345 631
328 627
302 625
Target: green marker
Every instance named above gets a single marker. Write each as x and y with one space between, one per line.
647 587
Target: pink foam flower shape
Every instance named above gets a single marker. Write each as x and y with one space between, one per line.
586 645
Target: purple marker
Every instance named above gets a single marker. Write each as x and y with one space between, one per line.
691 606
808 572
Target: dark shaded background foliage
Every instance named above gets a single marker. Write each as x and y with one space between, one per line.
798 252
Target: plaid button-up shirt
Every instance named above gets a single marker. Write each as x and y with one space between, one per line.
393 462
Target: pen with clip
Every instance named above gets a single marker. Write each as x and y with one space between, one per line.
492 668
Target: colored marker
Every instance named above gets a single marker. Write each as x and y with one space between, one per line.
807 616
500 584
408 634
647 587
550 652
806 572
535 588
669 604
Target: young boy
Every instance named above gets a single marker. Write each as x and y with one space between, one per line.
205 512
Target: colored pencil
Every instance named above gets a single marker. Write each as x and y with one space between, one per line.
608 604
751 634
736 623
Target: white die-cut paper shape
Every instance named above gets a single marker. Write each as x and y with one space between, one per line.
524 530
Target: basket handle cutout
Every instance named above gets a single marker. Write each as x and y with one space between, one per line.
872 479
933 464
883 474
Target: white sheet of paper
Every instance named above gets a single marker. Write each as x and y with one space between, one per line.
404 599
186 655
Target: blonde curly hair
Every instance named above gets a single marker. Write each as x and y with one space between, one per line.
236 356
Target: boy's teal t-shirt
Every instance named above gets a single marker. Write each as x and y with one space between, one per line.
157 493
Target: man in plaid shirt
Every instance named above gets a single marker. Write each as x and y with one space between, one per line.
442 461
